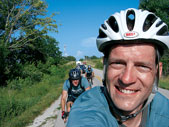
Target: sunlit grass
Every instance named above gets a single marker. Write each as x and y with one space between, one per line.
164 82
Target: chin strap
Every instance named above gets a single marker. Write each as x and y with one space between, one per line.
116 111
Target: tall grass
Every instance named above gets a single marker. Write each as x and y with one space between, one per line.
96 63
20 105
164 82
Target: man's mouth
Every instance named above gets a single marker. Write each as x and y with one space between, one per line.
126 91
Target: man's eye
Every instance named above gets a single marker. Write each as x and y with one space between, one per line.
143 68
117 64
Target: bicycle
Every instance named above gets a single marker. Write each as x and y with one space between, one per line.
90 79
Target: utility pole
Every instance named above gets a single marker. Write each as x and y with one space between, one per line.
64 52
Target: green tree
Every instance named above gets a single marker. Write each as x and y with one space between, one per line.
93 57
70 58
81 59
161 9
23 36
23 21
42 48
165 61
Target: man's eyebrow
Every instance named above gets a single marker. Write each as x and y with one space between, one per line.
115 59
141 62
144 63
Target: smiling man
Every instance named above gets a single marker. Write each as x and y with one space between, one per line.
132 49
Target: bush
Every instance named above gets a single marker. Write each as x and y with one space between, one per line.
164 82
98 64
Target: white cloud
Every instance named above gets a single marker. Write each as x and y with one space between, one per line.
89 42
79 53
65 54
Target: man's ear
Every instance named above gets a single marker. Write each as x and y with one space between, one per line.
160 68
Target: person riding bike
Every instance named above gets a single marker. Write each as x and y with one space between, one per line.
78 68
89 74
72 88
132 41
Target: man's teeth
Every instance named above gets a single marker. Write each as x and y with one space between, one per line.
126 91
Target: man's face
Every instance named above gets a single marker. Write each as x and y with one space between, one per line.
75 82
130 75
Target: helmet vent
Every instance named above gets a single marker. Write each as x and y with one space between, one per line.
74 74
102 34
159 23
113 23
130 18
163 31
104 26
149 22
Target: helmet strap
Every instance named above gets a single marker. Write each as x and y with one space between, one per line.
155 85
105 65
116 112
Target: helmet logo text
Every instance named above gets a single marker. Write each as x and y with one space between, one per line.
131 34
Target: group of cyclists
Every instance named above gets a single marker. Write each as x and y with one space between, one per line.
74 86
132 42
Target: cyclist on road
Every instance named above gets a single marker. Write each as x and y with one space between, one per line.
72 88
89 74
78 68
133 42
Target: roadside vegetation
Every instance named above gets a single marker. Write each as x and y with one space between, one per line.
98 63
24 99
94 61
32 68
164 82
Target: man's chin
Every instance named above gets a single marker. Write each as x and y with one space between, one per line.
128 110
75 84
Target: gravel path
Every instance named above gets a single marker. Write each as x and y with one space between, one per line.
48 117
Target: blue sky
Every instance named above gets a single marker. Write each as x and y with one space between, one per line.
80 21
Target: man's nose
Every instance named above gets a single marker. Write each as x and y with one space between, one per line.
128 76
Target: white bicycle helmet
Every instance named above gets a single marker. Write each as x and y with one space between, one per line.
130 25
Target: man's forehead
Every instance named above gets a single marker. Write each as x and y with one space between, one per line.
133 50
132 44
128 44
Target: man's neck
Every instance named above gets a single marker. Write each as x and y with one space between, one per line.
131 122
134 122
